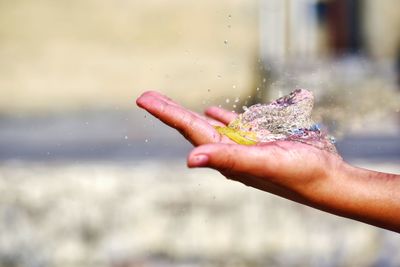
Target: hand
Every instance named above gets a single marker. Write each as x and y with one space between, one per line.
283 168
292 170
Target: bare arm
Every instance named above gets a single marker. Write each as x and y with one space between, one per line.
292 170
365 195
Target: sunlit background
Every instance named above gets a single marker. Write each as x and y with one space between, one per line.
88 179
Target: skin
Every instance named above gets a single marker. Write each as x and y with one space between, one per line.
295 171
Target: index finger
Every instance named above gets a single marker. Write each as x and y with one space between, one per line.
221 114
197 130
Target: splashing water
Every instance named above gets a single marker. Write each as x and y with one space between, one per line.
286 118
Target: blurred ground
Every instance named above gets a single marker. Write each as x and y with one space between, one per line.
107 214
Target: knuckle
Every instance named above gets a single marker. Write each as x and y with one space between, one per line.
228 163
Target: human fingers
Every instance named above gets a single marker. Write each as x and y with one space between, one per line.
160 96
286 169
195 129
221 114
171 102
258 167
281 162
251 160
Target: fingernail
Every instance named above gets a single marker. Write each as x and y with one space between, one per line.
199 160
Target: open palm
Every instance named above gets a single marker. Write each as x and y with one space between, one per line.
285 168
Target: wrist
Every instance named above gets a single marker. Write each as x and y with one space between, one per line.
364 195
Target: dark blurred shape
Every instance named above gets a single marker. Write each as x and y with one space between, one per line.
321 11
344 25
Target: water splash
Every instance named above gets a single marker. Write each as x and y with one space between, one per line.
286 118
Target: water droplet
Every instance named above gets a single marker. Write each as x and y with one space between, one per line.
315 127
227 100
226 42
219 76
209 90
257 89
146 140
237 99
234 106
126 137
229 16
264 80
233 86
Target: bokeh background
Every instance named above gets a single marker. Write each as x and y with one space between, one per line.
88 179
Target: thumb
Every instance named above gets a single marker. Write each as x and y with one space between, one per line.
251 160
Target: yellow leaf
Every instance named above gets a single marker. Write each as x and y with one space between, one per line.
237 136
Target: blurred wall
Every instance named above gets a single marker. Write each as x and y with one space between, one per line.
69 54
382 28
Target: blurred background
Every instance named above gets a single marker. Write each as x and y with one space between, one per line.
88 179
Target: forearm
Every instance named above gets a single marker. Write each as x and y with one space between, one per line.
363 195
